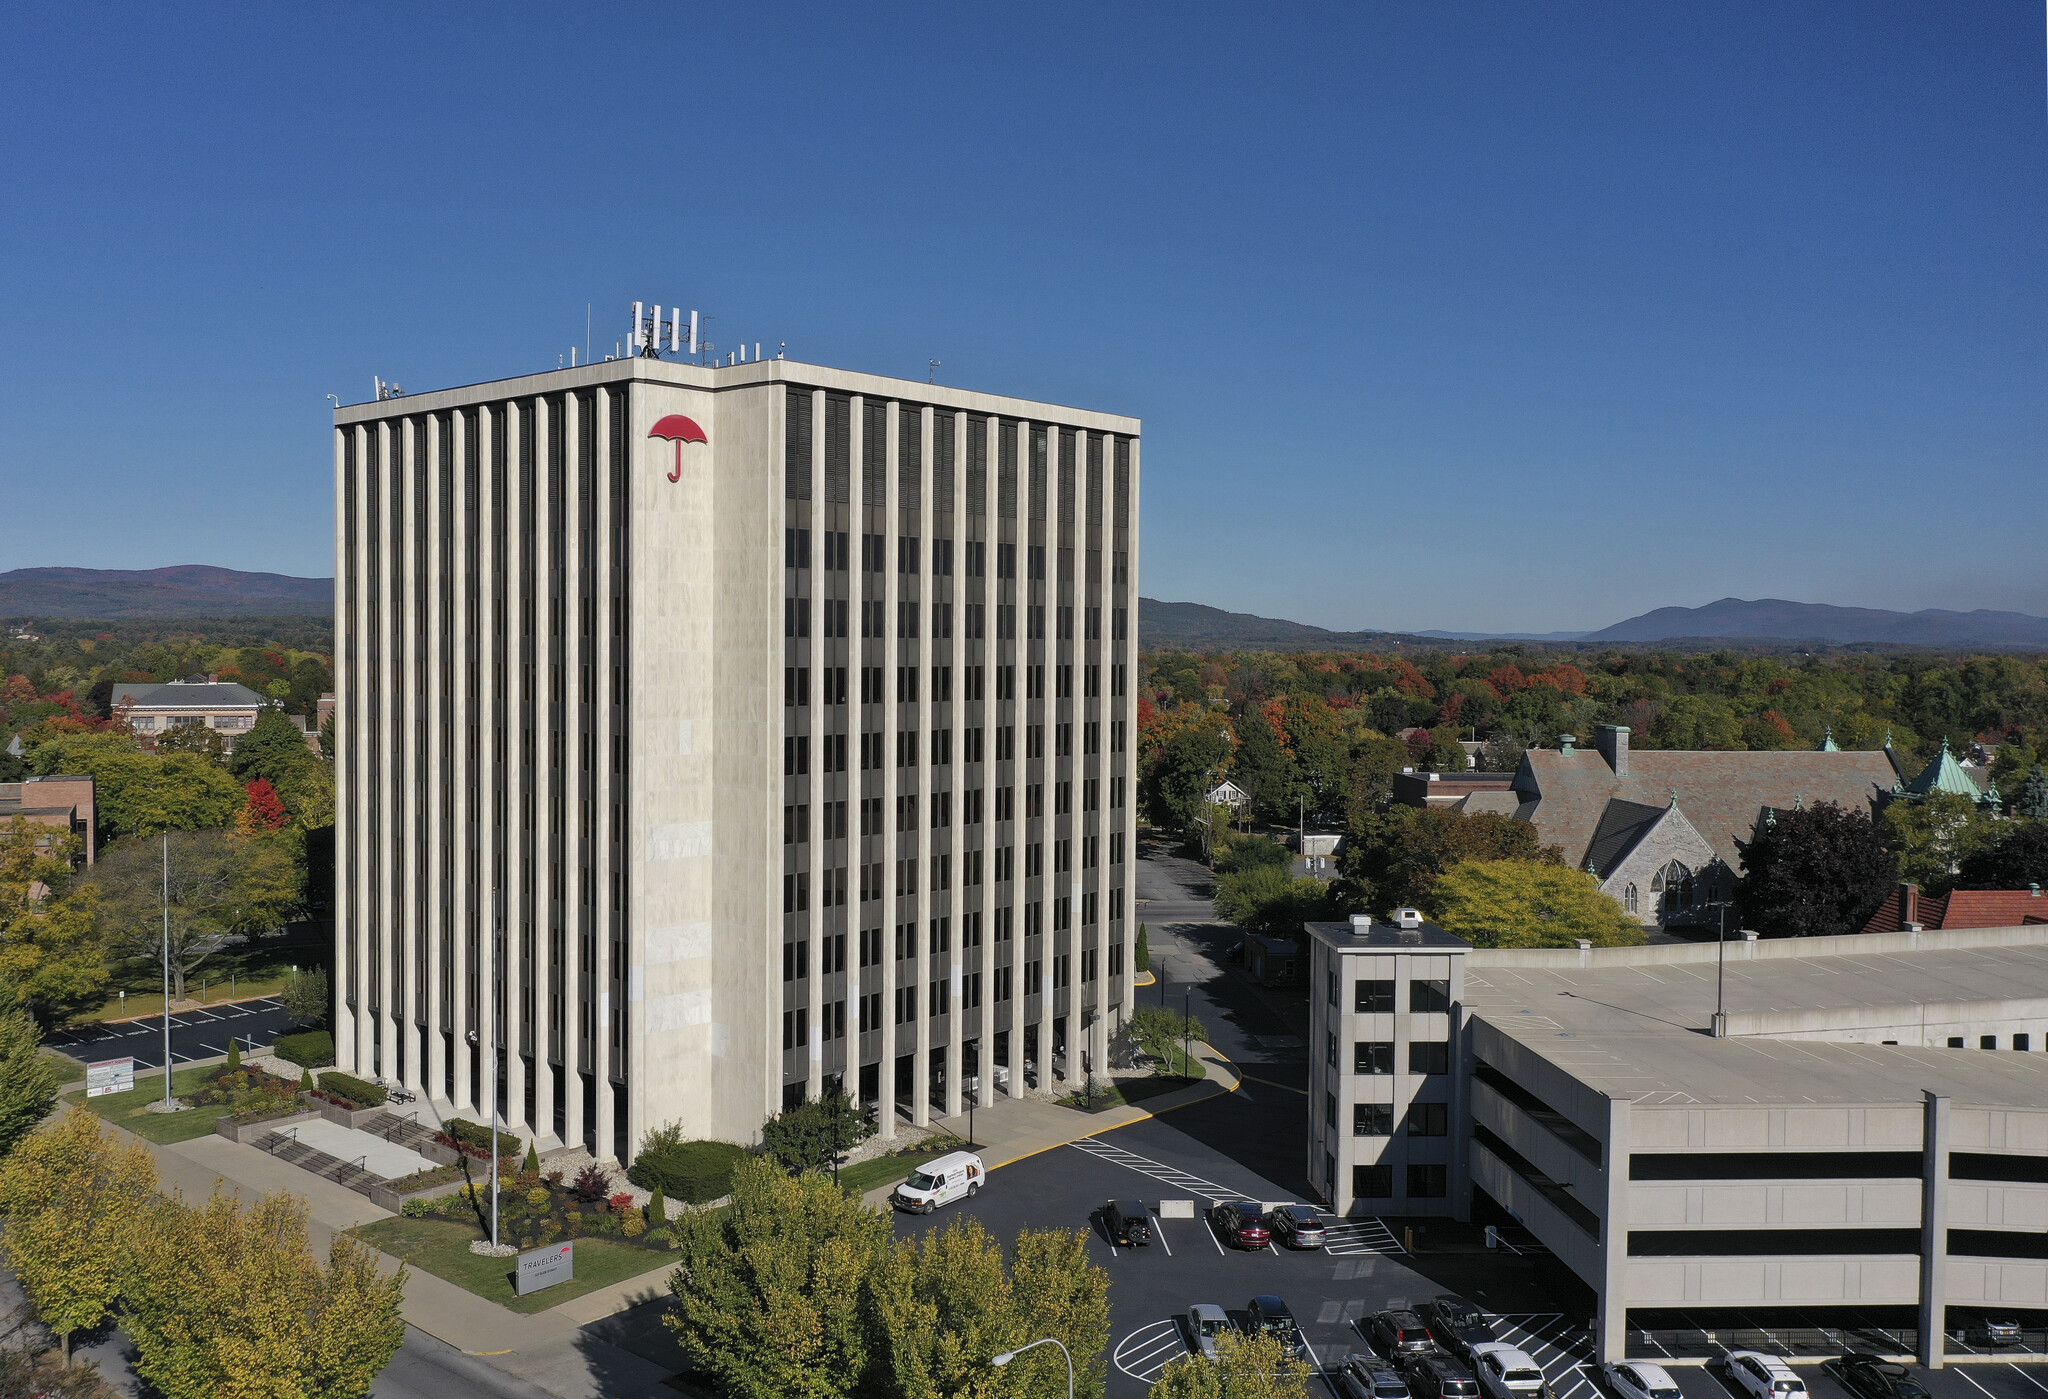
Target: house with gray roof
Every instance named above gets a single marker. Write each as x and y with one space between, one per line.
198 701
1659 828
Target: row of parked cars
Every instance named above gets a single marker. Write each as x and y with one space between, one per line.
1239 1223
1443 1349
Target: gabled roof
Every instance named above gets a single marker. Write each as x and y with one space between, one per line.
1622 827
189 694
1722 794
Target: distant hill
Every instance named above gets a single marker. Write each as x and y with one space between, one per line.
188 590
1192 624
1779 620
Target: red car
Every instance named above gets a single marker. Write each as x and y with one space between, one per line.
1240 1223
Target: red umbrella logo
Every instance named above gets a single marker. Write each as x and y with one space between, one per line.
678 429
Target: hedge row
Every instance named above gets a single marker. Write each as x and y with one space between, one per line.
356 1092
314 1049
694 1171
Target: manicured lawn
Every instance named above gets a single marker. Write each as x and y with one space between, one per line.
1124 1092
126 1109
441 1247
220 978
69 1070
888 1170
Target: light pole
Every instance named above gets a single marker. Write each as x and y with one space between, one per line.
1007 1356
167 969
1720 1027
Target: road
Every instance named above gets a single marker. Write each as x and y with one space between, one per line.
195 1034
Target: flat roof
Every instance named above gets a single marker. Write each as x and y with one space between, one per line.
1383 936
1641 1031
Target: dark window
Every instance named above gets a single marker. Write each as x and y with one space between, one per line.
1774 1165
1542 1184
1428 1119
1372 1182
1429 997
1373 997
1429 1057
1679 1243
1372 1120
1560 1126
1372 1057
1428 1182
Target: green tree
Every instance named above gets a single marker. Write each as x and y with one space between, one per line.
1246 1367
770 1292
138 792
1934 834
1270 900
1262 766
1819 872
2017 859
814 1134
1446 753
50 951
73 1193
1394 859
221 887
1369 775
1141 954
224 1302
28 1081
192 741
2030 797
1528 903
273 749
1189 763
945 1304
309 1000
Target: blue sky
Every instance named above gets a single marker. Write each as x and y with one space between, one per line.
1505 316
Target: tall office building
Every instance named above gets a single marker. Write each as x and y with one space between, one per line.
725 735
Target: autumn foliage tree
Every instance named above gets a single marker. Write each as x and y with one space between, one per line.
262 810
1528 903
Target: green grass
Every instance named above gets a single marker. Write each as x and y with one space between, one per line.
69 1070
890 1169
1124 1092
126 1109
441 1247
225 976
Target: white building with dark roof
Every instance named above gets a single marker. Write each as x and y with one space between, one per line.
198 701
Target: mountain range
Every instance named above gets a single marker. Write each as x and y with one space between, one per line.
188 590
199 590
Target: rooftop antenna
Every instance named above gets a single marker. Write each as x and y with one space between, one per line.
335 401
931 373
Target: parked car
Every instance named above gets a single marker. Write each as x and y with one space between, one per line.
1638 1379
1396 1333
1268 1313
1764 1376
1874 1377
1506 1373
1433 1375
1297 1226
1994 1331
1240 1223
955 1176
1366 1376
1205 1322
1457 1324
1128 1222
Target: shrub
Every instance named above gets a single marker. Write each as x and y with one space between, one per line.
539 1197
312 1050
622 1202
693 1171
474 1139
413 1209
657 1208
531 1166
352 1090
234 1053
593 1184
550 1230
634 1225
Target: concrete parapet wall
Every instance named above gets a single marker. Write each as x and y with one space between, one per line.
1760 950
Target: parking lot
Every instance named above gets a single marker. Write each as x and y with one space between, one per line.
1364 1270
195 1034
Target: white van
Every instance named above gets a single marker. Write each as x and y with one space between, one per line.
954 1176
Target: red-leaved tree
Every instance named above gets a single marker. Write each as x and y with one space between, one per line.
265 807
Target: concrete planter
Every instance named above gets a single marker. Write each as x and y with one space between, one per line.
334 1112
246 1132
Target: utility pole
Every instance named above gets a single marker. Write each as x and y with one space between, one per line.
167 969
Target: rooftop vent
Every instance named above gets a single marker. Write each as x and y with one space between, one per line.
1565 742
1408 918
1361 924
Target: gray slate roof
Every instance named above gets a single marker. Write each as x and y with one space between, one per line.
1722 794
184 694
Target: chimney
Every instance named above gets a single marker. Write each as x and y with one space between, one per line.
1909 903
1612 741
1565 743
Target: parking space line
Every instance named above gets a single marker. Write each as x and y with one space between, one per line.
1159 1228
1157 1170
2025 1376
1966 1375
1210 1230
1146 1351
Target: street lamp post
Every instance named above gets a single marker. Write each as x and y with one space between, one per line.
1720 1027
167 969
1007 1356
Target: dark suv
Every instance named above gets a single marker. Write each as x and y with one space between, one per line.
1400 1333
1268 1313
1456 1324
1127 1222
1434 1375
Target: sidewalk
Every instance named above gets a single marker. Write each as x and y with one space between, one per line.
1011 1129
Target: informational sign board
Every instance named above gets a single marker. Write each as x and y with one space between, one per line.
109 1076
544 1267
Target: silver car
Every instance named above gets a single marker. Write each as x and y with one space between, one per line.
1205 1322
1365 1376
1297 1226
